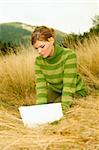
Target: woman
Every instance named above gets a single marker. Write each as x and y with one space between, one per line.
56 75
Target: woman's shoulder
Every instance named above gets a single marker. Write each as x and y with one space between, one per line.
65 49
39 61
68 51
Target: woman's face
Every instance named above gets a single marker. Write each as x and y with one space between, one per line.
45 48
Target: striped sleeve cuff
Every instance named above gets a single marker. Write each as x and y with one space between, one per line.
41 99
67 100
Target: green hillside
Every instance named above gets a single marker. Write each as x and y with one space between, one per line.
16 33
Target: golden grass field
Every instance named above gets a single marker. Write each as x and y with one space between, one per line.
77 130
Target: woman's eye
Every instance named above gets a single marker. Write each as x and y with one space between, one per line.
42 46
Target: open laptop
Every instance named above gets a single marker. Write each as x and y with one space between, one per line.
35 115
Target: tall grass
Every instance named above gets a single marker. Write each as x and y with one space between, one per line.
17 84
88 60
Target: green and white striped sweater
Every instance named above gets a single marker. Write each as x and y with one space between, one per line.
59 72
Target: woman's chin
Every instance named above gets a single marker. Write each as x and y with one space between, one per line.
44 56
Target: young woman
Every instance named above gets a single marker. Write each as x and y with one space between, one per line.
56 74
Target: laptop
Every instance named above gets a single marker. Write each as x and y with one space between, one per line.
35 115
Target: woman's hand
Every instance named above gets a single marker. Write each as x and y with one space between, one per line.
66 106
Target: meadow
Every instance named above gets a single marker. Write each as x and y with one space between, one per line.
77 130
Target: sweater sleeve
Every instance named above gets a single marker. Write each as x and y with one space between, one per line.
41 88
69 78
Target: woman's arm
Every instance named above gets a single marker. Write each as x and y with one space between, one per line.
41 89
69 79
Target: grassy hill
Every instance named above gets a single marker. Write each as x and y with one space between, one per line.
16 33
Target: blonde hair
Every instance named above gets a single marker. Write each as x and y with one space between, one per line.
42 33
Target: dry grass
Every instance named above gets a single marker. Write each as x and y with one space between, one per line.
88 59
17 78
78 130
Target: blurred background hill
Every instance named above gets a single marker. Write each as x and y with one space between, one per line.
14 34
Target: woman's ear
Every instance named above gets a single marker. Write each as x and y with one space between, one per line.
51 39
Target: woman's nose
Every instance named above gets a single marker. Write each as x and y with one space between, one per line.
39 50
